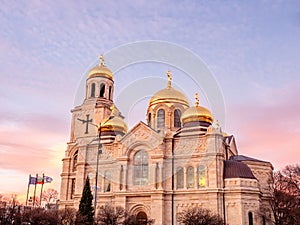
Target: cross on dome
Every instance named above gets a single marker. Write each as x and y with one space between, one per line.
196 99
101 60
169 78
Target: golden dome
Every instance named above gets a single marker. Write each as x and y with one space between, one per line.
169 94
101 70
197 113
115 122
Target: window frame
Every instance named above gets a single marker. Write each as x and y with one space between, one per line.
141 168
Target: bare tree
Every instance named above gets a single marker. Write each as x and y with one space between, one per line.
109 215
130 219
40 216
50 195
9 209
286 196
198 216
66 216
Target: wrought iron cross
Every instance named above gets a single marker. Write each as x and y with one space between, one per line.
87 121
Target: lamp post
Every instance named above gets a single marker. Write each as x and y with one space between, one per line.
99 151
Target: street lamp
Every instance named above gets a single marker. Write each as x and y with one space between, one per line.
97 165
99 151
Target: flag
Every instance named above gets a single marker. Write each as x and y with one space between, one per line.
48 179
32 180
40 180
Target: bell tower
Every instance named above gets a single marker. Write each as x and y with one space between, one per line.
97 104
99 90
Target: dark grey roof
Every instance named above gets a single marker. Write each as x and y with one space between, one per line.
236 169
244 158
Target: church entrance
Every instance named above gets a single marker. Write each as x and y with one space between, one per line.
142 218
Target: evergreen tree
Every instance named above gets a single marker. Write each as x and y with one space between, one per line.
85 213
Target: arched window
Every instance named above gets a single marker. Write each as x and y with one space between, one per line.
75 159
149 119
190 177
140 162
177 115
102 90
72 187
250 218
179 178
141 218
109 93
93 90
201 176
161 118
107 182
264 220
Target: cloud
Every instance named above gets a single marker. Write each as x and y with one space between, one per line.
267 128
27 142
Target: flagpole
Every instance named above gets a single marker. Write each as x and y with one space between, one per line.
41 191
35 190
28 189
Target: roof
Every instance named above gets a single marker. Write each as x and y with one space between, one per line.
236 169
228 139
241 158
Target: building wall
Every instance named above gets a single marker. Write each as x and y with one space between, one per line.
167 151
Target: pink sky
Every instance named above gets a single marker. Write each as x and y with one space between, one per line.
251 47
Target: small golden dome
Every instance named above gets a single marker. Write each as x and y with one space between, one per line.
169 95
197 113
115 122
101 70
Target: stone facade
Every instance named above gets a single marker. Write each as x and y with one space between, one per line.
164 166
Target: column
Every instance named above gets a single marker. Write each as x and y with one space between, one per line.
184 178
124 185
121 178
195 178
102 182
153 121
160 176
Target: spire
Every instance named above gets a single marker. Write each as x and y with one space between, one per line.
101 60
169 78
196 99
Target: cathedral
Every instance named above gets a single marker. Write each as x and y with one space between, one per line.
179 158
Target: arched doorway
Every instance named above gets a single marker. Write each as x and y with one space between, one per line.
141 218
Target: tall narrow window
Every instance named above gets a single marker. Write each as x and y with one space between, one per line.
161 118
201 176
156 175
102 90
177 115
72 187
250 218
107 182
109 93
190 177
149 119
122 177
140 162
75 158
179 178
93 87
